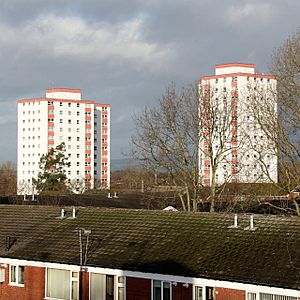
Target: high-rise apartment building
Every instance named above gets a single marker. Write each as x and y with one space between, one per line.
231 138
62 116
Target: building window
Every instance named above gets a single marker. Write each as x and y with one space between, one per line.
102 287
78 104
198 293
62 284
161 290
251 296
210 293
16 275
69 104
121 287
263 296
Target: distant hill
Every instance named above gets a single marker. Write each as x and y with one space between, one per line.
122 163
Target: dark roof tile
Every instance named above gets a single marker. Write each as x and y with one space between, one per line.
175 243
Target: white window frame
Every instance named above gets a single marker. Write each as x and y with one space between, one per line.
255 293
203 291
71 278
162 288
116 285
271 294
120 285
16 283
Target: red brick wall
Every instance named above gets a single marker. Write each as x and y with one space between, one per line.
138 289
229 294
182 293
34 285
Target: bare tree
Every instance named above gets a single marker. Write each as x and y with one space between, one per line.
167 139
286 67
77 185
188 133
8 178
218 140
133 177
282 124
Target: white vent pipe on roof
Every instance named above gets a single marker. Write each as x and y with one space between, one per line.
251 222
62 214
235 224
235 221
251 225
73 212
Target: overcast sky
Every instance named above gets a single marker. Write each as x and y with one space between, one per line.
127 52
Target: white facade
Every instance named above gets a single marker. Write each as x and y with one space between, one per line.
250 156
83 125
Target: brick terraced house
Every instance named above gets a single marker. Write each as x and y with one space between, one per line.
93 253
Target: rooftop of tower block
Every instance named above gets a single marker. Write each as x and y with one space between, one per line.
222 69
235 69
63 93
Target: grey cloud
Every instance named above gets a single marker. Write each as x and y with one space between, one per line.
127 52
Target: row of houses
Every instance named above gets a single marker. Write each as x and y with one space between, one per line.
96 253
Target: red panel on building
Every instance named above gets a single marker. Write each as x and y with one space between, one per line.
138 289
181 292
230 294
